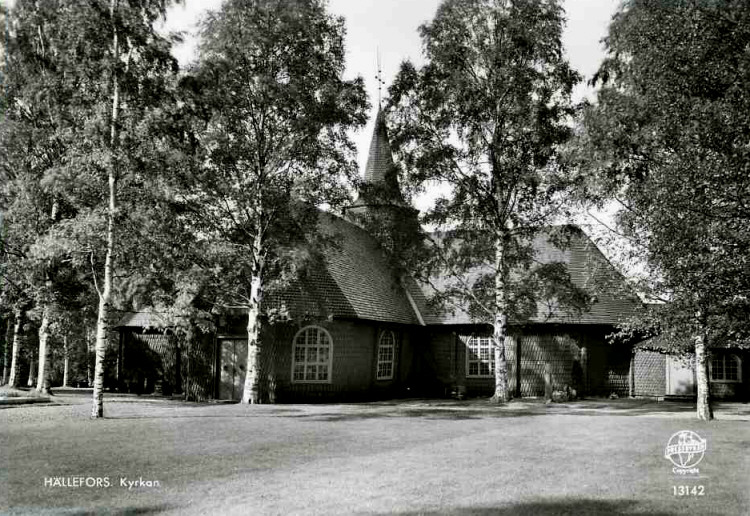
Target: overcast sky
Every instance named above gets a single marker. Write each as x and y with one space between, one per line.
390 26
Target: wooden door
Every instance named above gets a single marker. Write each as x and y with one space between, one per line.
233 365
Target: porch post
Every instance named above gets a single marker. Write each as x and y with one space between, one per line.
519 350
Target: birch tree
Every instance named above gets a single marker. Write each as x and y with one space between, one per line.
484 117
270 112
110 69
667 141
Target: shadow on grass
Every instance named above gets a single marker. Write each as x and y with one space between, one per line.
247 415
427 414
488 411
430 414
436 410
553 507
124 511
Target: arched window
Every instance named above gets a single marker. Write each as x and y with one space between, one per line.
726 368
312 356
480 357
386 355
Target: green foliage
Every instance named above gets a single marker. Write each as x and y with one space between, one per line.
668 139
56 130
57 147
484 117
265 114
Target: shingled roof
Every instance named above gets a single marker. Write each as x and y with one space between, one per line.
357 281
380 185
380 158
589 270
362 273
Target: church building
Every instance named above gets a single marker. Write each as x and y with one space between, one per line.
369 331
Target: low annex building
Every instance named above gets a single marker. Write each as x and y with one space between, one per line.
370 333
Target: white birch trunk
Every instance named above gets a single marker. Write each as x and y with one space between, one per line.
500 326
703 403
6 347
43 374
100 348
66 361
89 376
105 297
15 381
251 392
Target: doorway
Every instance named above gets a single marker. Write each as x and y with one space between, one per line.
233 365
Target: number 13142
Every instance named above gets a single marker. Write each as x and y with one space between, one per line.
688 490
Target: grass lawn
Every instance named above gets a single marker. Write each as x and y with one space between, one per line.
10 392
404 458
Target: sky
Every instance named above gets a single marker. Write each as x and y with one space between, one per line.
389 28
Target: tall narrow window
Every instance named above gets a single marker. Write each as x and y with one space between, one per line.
480 357
386 354
726 368
313 353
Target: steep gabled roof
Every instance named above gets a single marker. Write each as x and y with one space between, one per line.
357 281
589 270
360 270
354 280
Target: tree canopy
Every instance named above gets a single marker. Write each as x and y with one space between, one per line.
668 139
83 83
485 116
265 141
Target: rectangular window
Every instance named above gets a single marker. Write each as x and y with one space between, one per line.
717 368
725 368
480 357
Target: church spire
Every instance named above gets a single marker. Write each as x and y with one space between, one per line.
379 78
380 157
380 171
380 208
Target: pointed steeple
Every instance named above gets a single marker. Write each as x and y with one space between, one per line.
380 208
380 158
381 175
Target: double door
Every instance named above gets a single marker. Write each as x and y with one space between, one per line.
233 366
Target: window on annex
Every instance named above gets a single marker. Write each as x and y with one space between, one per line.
312 356
480 357
386 355
726 368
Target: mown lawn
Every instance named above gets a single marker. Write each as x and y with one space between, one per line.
403 458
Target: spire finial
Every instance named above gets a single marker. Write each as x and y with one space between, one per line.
379 77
